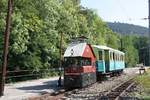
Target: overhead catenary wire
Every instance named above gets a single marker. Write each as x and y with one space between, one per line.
124 11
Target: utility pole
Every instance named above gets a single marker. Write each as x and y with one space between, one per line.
149 31
5 50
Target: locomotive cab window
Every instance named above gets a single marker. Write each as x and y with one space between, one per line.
72 62
76 62
86 62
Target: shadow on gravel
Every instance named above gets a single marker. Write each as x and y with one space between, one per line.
43 88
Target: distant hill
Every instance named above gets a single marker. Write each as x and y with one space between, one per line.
125 29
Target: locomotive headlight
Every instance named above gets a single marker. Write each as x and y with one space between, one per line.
72 52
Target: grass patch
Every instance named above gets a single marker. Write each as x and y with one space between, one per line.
144 80
146 98
144 83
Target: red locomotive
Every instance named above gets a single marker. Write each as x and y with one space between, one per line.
79 65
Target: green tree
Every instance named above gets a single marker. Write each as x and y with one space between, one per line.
131 53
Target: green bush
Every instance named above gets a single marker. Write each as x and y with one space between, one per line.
144 82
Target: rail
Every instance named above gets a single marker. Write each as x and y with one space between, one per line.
117 92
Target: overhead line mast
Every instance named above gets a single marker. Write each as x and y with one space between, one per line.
149 31
5 50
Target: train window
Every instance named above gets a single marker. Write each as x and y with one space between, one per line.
106 55
117 58
113 56
110 55
76 62
86 62
100 55
121 57
72 62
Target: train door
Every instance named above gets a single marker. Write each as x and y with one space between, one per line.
101 62
111 61
106 60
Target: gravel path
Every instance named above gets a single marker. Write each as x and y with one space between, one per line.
23 90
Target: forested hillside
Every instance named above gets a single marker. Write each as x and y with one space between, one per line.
125 28
37 25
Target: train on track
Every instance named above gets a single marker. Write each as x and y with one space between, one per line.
84 63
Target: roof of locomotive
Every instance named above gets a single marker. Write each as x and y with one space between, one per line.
107 48
75 49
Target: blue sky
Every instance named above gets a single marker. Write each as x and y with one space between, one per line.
126 11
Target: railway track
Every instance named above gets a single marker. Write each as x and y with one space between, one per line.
80 94
117 92
114 94
107 90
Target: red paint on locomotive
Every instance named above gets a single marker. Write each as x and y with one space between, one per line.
88 54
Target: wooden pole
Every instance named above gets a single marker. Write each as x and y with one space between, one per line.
5 50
